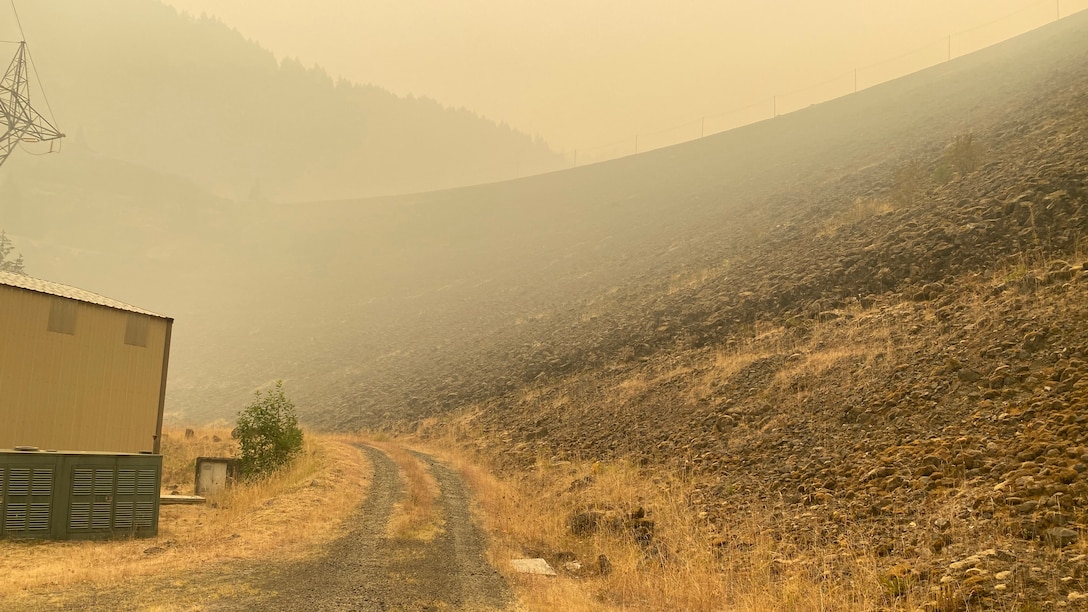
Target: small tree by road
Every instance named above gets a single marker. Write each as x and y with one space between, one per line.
268 432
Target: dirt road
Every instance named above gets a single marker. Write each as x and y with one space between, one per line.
365 570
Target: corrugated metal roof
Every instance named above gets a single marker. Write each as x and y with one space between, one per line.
72 293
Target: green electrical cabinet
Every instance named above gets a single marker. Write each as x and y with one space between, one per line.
78 496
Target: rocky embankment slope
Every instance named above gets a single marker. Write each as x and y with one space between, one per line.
901 363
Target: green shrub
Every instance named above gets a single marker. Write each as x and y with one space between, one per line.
268 432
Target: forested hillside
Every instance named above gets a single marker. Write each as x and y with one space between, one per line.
136 81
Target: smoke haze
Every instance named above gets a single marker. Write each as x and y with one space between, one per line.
217 180
584 73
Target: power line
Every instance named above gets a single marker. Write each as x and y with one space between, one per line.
38 80
17 20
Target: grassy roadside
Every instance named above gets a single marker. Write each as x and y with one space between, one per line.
688 564
292 512
680 567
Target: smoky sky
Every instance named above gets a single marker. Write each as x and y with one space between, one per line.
584 72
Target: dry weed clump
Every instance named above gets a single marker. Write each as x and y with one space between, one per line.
909 182
716 369
696 279
963 153
860 210
292 511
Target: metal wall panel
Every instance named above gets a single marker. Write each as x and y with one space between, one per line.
87 391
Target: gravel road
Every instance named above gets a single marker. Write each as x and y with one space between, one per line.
366 570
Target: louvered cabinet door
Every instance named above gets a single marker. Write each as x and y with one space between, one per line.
27 494
91 506
115 499
82 500
148 483
134 501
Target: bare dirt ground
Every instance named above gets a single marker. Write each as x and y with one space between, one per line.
363 570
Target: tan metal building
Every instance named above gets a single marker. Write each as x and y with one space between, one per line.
79 371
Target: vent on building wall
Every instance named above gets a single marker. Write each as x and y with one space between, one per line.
136 330
62 316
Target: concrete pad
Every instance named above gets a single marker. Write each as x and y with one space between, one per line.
539 567
181 500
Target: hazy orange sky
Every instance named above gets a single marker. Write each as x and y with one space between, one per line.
587 72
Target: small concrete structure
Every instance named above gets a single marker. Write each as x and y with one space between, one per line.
215 474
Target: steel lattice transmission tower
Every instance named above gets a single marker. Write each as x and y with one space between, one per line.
21 122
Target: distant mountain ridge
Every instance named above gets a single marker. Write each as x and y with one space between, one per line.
190 96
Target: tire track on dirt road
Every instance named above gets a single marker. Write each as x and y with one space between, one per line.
367 570
480 583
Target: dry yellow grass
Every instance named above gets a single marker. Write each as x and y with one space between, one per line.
806 370
180 453
682 569
694 567
629 388
718 367
858 211
696 279
692 563
292 512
